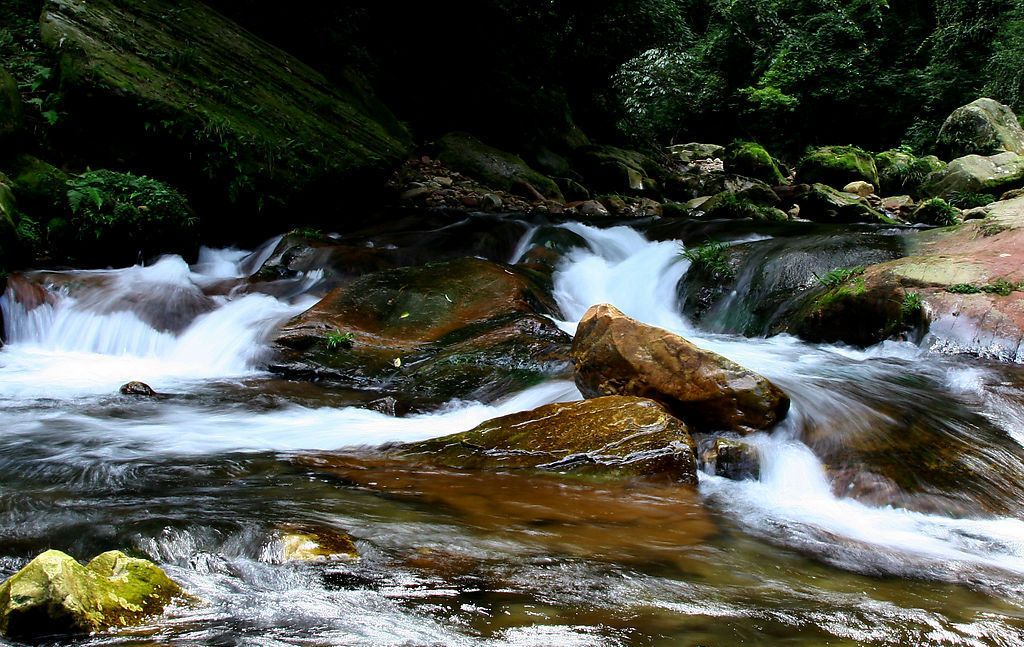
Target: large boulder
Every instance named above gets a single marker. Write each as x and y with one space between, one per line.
54 594
465 328
612 435
977 174
822 203
982 127
901 173
11 116
837 166
752 160
614 354
173 87
495 168
961 286
608 169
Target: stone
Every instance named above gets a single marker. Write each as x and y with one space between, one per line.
616 355
862 189
137 388
736 206
316 543
732 459
11 113
54 594
901 172
168 85
466 327
608 169
491 202
497 169
977 213
977 174
694 151
592 208
936 211
752 160
822 203
611 435
837 166
982 127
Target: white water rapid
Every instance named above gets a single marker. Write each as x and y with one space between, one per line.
198 335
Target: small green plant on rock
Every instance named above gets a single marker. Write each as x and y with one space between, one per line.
911 305
710 257
838 276
966 200
963 288
337 340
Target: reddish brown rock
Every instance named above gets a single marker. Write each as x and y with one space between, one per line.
614 354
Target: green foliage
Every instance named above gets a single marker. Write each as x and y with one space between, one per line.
837 277
710 258
911 305
1000 287
731 206
937 211
22 54
107 205
971 200
963 288
337 340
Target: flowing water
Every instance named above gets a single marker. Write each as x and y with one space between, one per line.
888 510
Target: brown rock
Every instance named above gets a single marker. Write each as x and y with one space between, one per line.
614 354
613 434
137 388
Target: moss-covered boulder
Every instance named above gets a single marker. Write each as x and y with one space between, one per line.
40 187
901 173
751 159
9 243
976 174
733 206
495 168
608 169
837 166
982 127
173 87
605 436
822 203
11 116
936 211
54 594
616 355
465 328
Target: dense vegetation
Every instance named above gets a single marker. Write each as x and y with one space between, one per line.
876 73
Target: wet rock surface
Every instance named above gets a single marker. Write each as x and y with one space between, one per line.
614 354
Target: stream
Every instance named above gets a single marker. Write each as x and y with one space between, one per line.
921 542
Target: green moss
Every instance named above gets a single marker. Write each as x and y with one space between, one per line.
752 160
495 168
902 172
937 211
730 206
837 166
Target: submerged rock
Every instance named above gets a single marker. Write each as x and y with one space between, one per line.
54 594
612 435
614 354
460 328
137 388
982 127
316 543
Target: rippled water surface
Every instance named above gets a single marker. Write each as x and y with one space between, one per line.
888 510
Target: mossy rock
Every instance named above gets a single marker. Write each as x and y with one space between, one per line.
936 211
822 203
609 169
982 127
178 89
837 166
751 159
977 174
604 436
11 114
460 328
40 187
902 173
315 543
9 243
731 206
54 594
493 167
